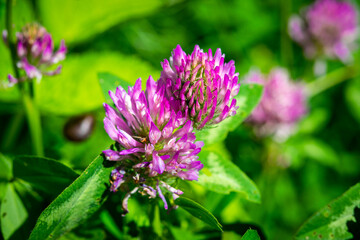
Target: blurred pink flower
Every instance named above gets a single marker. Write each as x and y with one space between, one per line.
327 28
35 50
282 105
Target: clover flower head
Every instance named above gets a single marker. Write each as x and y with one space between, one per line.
327 28
35 50
201 85
282 105
154 144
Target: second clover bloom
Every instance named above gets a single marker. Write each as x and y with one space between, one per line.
154 144
327 28
282 105
201 85
35 50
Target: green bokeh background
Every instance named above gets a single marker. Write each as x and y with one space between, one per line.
296 177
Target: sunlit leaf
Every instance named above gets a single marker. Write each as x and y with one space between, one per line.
76 90
330 221
13 212
247 99
198 211
75 204
221 175
250 235
100 15
6 166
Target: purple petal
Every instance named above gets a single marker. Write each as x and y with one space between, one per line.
131 151
12 80
113 155
141 165
111 129
168 129
127 140
116 119
5 37
189 175
154 134
31 71
21 49
126 199
55 72
158 164
48 47
60 54
36 48
161 196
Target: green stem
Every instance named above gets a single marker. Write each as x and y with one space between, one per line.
331 79
10 39
155 220
34 121
12 131
32 113
286 47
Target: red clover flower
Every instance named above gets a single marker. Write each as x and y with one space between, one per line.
154 144
35 50
201 85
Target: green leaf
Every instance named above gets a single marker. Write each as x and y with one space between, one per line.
352 96
110 224
314 122
77 90
93 234
3 186
221 175
13 212
75 204
109 82
247 99
318 151
45 174
198 211
6 166
100 15
330 221
250 235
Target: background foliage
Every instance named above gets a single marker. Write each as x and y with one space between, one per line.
294 178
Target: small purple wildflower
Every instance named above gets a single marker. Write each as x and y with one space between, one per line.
201 85
327 28
283 103
35 50
154 144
